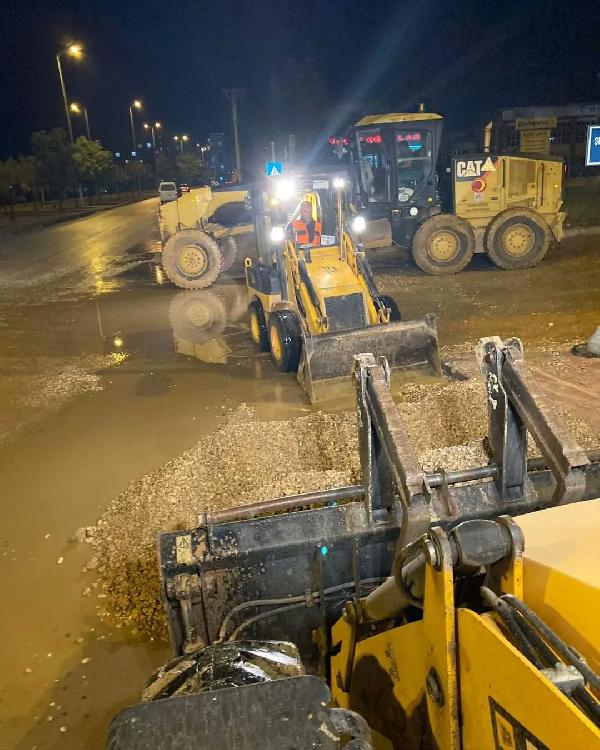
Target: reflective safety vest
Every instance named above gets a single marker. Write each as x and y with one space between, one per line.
302 236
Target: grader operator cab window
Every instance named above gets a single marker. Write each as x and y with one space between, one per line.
414 161
374 165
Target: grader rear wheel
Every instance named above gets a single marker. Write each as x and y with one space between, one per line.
517 238
191 259
228 248
443 244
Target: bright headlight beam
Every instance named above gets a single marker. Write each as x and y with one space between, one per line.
339 183
285 189
277 234
359 224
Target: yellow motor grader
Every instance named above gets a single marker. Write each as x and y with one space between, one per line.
448 610
507 206
315 305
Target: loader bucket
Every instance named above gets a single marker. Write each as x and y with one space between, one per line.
328 359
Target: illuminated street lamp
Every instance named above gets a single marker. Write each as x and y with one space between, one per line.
79 109
152 128
203 150
181 139
76 52
135 104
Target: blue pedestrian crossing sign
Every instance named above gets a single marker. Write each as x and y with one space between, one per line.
592 152
274 168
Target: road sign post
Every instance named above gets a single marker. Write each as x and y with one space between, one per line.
274 168
592 151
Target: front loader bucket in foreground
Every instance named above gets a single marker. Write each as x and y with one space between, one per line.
407 345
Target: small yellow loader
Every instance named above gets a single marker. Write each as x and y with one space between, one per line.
315 306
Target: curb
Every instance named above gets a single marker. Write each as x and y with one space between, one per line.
12 230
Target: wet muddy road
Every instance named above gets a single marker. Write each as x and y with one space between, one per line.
107 372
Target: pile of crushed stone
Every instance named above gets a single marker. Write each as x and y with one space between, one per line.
247 461
242 462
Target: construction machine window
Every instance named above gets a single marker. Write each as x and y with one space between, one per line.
414 160
374 165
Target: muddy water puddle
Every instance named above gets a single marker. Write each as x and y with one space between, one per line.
97 392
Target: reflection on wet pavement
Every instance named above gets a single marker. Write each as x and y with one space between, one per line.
148 370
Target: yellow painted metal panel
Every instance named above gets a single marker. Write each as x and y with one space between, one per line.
562 572
398 117
498 686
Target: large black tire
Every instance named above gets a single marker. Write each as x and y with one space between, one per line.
258 326
228 249
388 301
517 238
443 244
191 259
197 316
285 340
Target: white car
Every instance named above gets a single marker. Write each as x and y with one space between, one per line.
167 191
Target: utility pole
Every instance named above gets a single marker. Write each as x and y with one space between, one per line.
234 95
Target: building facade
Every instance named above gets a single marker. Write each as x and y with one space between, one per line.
567 137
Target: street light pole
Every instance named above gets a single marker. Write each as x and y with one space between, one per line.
151 129
78 109
87 123
74 50
138 105
64 93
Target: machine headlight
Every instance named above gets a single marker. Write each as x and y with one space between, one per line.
413 210
285 189
339 183
277 234
359 224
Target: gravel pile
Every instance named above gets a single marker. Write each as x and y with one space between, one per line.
247 461
244 461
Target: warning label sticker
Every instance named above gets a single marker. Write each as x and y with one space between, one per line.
510 734
183 546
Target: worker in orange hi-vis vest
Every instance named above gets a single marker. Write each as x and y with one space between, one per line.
306 229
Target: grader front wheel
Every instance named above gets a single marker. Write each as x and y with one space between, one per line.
191 259
443 244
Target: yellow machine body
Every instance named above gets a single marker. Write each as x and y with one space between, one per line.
194 210
454 678
486 185
336 310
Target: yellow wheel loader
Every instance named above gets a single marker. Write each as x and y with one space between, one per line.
199 233
455 610
315 305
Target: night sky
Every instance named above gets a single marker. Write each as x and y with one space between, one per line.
306 67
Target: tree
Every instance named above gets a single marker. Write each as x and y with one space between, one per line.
28 171
54 155
8 184
191 169
92 162
137 172
166 168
